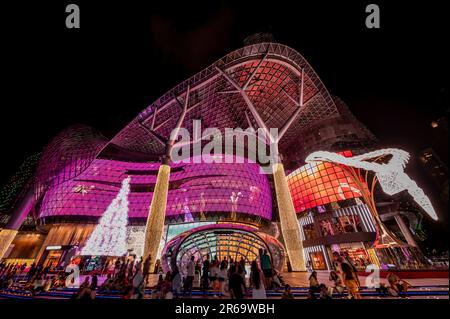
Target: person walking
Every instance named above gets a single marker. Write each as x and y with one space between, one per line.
221 277
85 291
260 256
166 291
287 294
324 292
146 268
236 284
257 282
308 266
242 264
337 262
176 282
214 281
338 285
314 286
205 275
138 284
117 268
349 261
350 281
31 271
396 284
266 266
190 273
94 282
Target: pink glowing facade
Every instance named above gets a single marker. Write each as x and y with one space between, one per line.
194 188
80 170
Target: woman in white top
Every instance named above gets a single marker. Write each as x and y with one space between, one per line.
213 269
138 285
177 282
222 275
257 282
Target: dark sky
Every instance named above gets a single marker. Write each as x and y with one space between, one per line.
127 54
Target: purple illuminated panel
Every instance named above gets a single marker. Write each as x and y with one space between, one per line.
67 155
194 188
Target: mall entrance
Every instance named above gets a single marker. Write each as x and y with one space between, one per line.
221 241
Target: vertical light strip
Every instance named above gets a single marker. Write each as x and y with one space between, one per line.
288 219
157 214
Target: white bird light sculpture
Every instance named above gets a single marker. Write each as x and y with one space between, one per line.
390 175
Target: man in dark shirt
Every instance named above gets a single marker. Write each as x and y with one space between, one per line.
205 274
190 273
236 283
146 270
266 266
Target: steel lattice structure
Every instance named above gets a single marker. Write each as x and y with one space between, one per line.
271 74
266 85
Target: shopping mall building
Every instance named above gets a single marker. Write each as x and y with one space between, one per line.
300 214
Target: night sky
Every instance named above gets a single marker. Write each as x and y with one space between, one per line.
127 54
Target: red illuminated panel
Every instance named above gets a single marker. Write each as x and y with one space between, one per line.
321 183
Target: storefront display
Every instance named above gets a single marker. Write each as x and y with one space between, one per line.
318 261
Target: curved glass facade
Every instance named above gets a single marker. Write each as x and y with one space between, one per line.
320 183
195 191
67 156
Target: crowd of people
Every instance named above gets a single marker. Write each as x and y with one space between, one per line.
219 278
36 276
128 279
226 277
345 277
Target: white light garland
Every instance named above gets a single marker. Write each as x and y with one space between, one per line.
391 175
109 236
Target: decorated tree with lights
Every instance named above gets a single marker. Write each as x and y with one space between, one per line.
109 236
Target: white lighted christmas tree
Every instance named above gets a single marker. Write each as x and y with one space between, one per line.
110 235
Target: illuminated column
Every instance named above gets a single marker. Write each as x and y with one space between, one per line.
405 230
19 214
288 219
157 214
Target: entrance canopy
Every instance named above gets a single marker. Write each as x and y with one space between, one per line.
229 240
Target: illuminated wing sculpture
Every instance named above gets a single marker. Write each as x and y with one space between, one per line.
390 175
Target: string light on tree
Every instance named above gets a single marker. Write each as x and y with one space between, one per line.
11 190
109 236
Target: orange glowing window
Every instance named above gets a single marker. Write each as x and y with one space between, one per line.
321 183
